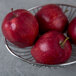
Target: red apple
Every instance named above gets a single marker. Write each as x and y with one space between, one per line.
20 27
52 48
72 30
51 17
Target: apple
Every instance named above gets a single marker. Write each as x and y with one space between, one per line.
51 17
52 48
72 31
20 27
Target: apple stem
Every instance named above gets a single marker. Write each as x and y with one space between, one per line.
66 11
12 9
62 44
13 12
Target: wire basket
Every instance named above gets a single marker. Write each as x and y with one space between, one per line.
25 54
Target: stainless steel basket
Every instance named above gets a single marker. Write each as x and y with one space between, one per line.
25 53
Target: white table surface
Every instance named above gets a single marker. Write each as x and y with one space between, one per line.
12 66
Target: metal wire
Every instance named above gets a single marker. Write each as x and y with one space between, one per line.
25 53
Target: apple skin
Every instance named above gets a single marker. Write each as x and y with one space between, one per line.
51 17
20 27
48 50
72 31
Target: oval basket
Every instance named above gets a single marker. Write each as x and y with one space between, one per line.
25 54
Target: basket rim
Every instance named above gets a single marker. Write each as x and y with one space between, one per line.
18 56
69 5
38 64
